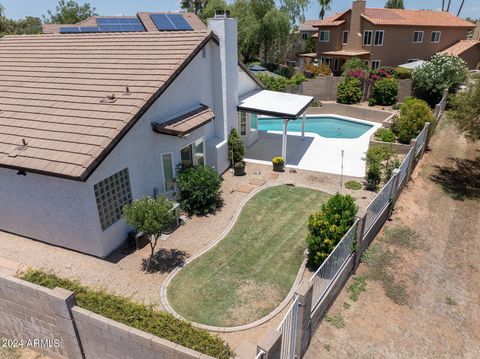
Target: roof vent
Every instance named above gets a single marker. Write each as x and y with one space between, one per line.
109 99
222 14
127 91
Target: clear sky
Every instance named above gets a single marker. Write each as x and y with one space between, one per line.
21 8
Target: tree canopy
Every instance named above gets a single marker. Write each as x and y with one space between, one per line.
466 112
394 4
69 12
295 9
27 25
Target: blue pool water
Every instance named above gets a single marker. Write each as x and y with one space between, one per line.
329 127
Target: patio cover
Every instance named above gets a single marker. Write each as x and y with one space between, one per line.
412 65
186 123
272 103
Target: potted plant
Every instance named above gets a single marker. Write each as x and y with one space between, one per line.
278 164
239 169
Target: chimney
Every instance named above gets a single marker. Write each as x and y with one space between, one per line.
226 30
355 34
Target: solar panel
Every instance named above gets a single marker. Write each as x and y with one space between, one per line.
89 29
179 22
118 24
69 30
162 22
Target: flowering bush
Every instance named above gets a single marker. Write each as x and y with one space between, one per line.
353 64
357 73
349 91
385 91
382 72
441 72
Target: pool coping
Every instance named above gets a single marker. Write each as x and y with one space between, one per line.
263 320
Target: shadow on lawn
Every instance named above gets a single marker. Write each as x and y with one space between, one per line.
461 180
164 261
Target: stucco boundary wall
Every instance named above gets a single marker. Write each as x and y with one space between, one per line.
324 88
30 312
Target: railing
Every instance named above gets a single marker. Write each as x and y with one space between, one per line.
404 169
260 354
288 328
378 204
326 274
421 140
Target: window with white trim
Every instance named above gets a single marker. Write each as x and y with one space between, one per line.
367 37
418 37
375 64
168 174
379 34
324 36
192 154
112 194
345 37
435 37
242 123
326 60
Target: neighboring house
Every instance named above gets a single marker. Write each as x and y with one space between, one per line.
307 29
468 50
90 121
386 37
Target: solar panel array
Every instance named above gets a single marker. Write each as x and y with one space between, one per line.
107 24
83 29
170 22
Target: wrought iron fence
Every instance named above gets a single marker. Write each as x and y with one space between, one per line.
328 271
288 328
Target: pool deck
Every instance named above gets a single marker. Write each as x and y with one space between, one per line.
313 152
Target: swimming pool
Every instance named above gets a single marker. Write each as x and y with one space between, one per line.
325 126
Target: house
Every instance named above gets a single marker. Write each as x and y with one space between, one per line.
387 37
307 29
101 113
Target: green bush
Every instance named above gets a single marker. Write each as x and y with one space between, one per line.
414 113
443 71
353 185
385 135
385 91
199 190
136 315
466 112
403 74
379 154
279 83
372 102
349 91
236 148
327 227
392 163
374 176
380 159
354 63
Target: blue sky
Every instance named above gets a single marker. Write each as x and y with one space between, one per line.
21 8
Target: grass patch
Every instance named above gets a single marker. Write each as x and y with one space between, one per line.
136 315
353 185
346 305
358 286
337 320
402 236
253 268
450 301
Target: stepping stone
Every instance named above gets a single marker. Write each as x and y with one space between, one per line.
245 188
272 175
257 181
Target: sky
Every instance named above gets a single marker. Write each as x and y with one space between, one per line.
20 8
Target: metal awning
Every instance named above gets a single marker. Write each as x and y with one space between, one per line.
412 65
186 123
272 103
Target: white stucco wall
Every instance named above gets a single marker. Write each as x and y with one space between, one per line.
245 83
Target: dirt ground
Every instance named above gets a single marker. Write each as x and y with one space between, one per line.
423 299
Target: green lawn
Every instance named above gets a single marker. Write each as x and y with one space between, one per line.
250 272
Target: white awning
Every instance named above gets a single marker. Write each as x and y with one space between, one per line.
412 65
272 103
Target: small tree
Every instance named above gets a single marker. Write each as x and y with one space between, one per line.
151 216
385 91
354 63
69 12
466 112
236 148
394 4
374 176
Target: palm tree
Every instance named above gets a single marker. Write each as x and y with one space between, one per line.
325 5
448 5
2 10
460 9
443 5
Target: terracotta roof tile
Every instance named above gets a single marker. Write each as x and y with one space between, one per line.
53 87
461 46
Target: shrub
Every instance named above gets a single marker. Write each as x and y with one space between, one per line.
385 91
327 227
379 154
353 185
139 316
441 72
273 83
236 148
385 135
372 102
382 73
414 113
354 63
466 112
403 74
278 160
320 70
357 73
285 71
392 163
349 91
199 190
374 176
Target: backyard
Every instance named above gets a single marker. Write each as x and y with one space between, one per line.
250 272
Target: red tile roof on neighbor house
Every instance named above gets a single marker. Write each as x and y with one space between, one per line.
461 46
57 112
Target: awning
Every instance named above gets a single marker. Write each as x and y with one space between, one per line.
272 103
186 123
346 53
412 65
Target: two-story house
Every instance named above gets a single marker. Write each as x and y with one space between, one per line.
388 37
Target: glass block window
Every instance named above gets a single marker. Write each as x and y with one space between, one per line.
112 194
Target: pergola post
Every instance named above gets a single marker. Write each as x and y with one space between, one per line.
304 120
284 139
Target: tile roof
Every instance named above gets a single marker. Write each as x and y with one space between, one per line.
308 25
185 123
54 92
402 17
461 46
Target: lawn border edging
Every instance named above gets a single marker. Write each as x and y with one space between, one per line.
268 317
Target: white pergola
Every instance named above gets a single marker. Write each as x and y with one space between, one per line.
277 104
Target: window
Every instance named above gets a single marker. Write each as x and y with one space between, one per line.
326 60
375 64
435 36
379 38
418 37
111 195
167 169
192 155
324 36
345 37
304 35
367 37
242 123
335 64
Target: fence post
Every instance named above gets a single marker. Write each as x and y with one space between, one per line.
271 345
361 217
304 327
